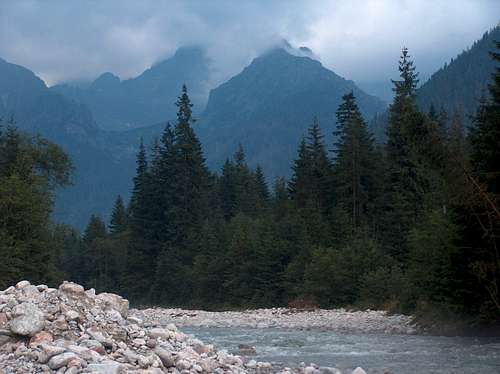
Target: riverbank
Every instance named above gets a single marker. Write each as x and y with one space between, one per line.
339 320
70 330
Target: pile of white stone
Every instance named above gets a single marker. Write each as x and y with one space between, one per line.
70 330
339 320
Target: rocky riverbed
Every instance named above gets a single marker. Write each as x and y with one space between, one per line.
339 320
69 330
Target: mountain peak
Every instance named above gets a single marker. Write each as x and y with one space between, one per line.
182 55
286 50
270 104
105 81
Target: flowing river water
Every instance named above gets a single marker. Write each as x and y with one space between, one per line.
376 353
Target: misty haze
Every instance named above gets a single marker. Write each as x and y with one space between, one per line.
292 187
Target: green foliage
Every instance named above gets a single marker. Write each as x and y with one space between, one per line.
30 169
119 217
355 167
333 277
380 226
434 255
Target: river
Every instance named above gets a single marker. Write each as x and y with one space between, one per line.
376 353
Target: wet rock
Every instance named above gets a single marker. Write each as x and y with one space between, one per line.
246 350
28 319
251 364
329 370
201 348
311 370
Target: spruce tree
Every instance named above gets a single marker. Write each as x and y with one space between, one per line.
403 196
261 188
321 169
188 205
485 135
227 190
119 217
355 165
190 183
298 185
483 198
94 257
143 248
346 112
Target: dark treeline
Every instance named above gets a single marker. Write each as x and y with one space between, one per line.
411 225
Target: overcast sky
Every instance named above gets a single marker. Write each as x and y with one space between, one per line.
65 40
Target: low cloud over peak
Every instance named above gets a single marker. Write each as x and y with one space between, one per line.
78 40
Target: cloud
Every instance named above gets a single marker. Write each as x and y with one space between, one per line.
70 40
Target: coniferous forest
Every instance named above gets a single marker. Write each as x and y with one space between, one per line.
411 225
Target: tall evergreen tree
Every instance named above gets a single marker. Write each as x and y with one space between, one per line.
261 188
298 184
346 112
404 195
94 257
190 184
355 165
119 217
321 169
483 197
310 182
143 248
485 135
189 201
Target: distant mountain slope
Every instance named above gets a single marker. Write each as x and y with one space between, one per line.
458 85
98 178
20 88
270 104
461 83
147 98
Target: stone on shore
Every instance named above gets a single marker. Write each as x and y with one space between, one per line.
70 330
358 370
28 319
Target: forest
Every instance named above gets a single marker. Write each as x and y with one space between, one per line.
411 225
